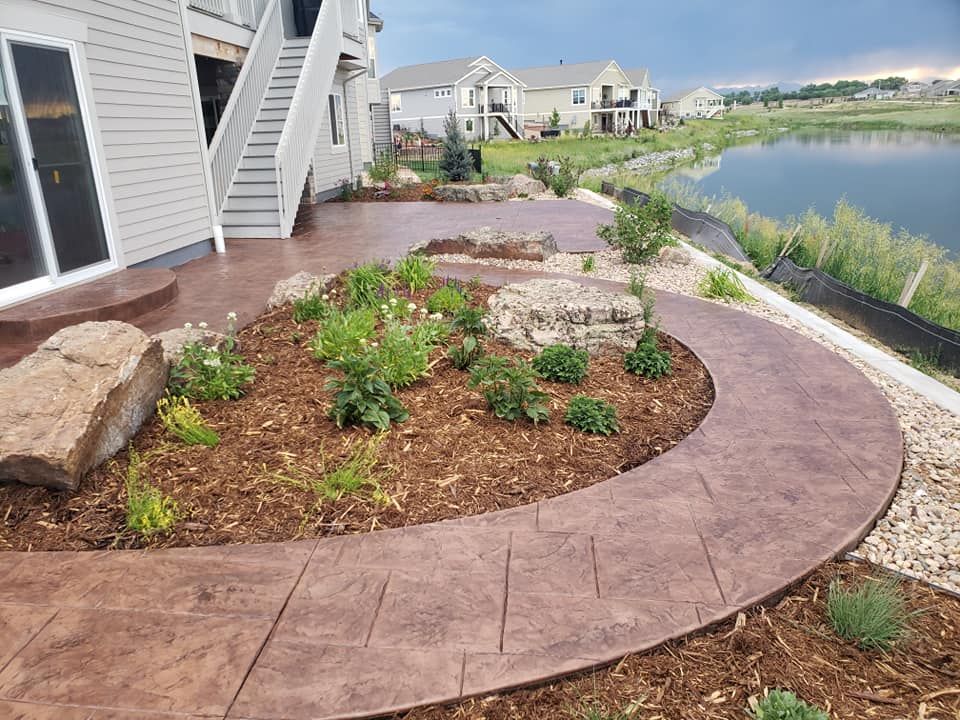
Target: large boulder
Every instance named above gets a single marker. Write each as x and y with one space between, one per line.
538 313
487 242
76 401
296 287
472 193
524 186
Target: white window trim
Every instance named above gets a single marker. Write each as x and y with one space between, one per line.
470 122
441 93
342 146
399 104
573 96
468 97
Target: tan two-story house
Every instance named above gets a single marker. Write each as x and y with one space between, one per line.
599 93
699 102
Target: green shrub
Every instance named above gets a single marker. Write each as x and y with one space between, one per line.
456 163
362 396
344 333
314 306
464 355
640 231
565 179
723 284
367 285
210 373
392 307
783 705
384 168
431 332
588 263
446 300
415 271
469 321
184 421
510 389
401 356
874 613
561 363
648 361
591 415
149 511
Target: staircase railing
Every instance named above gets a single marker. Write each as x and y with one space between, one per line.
299 137
226 148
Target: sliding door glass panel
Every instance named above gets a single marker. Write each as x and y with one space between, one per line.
21 256
61 155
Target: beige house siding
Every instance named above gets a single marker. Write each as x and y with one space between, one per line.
134 65
687 106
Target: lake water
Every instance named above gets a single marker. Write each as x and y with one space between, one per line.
909 179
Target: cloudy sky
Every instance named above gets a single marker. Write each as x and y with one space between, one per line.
686 42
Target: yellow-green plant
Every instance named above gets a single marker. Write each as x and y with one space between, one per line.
183 420
722 284
149 511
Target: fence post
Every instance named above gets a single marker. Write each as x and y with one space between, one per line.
824 251
423 161
788 247
911 284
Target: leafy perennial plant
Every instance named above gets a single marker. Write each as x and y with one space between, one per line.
362 396
510 389
561 363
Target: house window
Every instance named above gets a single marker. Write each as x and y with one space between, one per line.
372 67
442 93
338 130
699 102
468 124
579 96
396 105
468 97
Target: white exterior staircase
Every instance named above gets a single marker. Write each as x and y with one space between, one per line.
265 142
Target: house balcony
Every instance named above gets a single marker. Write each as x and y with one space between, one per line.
498 108
239 12
613 104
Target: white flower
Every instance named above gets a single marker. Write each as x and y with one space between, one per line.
437 316
411 307
188 326
384 308
363 341
212 362
202 325
374 344
393 301
324 297
333 291
423 311
231 316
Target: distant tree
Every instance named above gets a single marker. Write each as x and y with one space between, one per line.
770 95
554 119
586 129
456 163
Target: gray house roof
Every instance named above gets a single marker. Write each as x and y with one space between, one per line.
444 72
638 75
566 75
678 96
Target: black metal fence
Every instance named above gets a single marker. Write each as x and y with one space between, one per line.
418 158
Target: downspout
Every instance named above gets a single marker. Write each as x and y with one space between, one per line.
348 79
214 212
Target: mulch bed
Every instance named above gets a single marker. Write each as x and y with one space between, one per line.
790 646
398 193
452 458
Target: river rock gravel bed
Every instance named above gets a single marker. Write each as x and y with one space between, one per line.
920 533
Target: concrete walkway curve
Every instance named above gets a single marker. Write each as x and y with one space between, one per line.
797 459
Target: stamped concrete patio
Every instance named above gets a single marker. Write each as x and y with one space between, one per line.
798 457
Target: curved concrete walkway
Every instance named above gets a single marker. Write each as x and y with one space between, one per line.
798 457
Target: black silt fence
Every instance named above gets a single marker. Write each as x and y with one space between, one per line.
703 229
892 324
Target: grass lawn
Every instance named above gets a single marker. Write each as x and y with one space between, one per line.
879 115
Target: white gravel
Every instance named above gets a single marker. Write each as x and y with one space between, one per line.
920 533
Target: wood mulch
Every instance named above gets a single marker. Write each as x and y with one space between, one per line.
452 458
791 646
413 192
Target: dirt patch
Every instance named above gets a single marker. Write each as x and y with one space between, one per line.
413 192
790 646
452 458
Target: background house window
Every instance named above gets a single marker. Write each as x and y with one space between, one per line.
371 67
396 105
469 97
579 96
442 93
468 124
338 130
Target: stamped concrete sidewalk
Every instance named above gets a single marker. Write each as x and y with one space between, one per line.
797 458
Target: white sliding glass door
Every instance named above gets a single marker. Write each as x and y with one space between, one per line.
52 226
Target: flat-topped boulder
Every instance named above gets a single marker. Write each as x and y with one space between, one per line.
542 312
489 192
296 287
76 401
524 186
488 242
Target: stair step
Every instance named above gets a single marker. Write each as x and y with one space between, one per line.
254 189
289 62
277 83
276 103
268 137
280 93
231 217
272 114
254 203
297 42
259 162
260 151
263 125
292 71
252 231
267 175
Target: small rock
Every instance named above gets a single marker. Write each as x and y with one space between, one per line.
296 287
174 341
674 255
